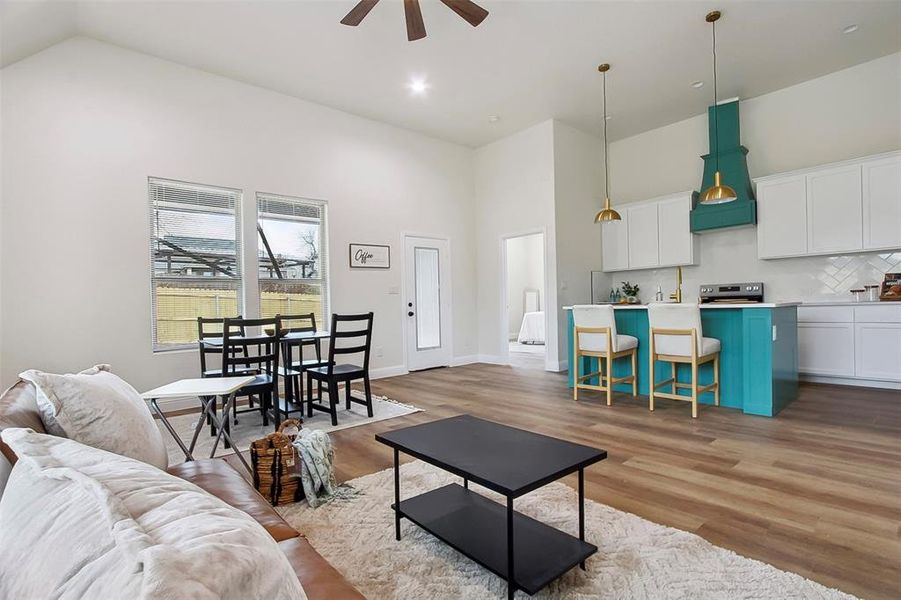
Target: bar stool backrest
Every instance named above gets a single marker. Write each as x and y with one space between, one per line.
595 316
675 316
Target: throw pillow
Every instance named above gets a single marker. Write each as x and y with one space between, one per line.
99 409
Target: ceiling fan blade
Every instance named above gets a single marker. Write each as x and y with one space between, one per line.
415 26
359 11
470 11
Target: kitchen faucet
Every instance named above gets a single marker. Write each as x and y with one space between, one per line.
677 295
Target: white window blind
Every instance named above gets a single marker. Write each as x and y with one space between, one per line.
195 258
293 257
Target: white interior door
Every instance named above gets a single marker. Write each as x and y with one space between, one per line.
427 302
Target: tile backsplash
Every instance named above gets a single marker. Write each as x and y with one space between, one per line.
730 256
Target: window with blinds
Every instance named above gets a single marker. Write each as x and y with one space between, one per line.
293 257
195 258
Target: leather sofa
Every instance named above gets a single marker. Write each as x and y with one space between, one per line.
18 408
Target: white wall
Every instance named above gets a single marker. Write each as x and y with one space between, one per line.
514 195
850 113
89 123
578 196
525 271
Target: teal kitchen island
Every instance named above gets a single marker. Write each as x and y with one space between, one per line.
758 360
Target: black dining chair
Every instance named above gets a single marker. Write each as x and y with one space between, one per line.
254 354
354 333
209 336
294 331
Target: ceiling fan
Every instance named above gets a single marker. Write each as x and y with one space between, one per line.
471 12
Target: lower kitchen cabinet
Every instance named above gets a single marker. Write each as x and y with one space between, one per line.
826 349
878 350
851 341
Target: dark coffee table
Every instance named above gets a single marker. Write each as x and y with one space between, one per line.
509 461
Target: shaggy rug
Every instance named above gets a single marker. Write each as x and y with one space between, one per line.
250 425
636 558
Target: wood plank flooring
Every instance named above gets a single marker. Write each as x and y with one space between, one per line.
816 490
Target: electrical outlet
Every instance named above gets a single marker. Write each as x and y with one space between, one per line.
775 337
379 352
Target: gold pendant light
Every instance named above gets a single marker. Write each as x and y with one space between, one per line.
607 214
719 193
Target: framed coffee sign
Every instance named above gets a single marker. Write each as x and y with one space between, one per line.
370 256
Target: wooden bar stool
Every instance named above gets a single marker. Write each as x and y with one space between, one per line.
595 336
676 337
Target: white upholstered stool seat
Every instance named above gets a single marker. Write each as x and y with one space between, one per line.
676 337
594 335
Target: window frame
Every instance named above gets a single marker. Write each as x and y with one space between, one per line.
237 280
324 278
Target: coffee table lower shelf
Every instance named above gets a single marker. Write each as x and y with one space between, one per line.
477 527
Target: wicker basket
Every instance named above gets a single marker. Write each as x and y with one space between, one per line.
276 466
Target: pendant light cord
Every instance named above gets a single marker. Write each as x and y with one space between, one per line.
606 158
716 118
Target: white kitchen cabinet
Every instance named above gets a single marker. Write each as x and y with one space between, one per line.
851 206
826 349
675 241
615 243
835 210
653 233
878 351
882 203
782 217
643 242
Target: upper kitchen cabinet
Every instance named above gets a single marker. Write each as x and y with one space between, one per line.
844 207
834 210
782 217
615 243
675 241
643 243
654 233
882 203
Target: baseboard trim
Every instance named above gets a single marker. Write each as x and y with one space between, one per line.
870 383
459 361
493 359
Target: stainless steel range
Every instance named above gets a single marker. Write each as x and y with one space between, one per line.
725 293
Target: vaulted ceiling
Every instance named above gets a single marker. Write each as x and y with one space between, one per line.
529 61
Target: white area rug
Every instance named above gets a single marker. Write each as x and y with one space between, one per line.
250 425
636 558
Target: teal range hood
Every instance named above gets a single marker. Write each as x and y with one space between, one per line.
734 172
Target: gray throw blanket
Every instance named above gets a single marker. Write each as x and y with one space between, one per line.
317 471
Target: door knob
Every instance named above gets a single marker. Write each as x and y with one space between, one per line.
410 313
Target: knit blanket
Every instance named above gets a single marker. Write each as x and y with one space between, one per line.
317 473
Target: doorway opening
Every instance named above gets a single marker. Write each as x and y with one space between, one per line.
525 319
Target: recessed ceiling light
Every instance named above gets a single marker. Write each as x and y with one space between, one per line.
697 84
418 87
850 28
493 118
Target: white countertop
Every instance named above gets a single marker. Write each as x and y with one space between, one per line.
706 306
848 303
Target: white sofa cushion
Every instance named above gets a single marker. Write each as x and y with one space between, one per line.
78 522
99 409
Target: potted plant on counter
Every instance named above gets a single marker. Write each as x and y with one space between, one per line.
631 292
